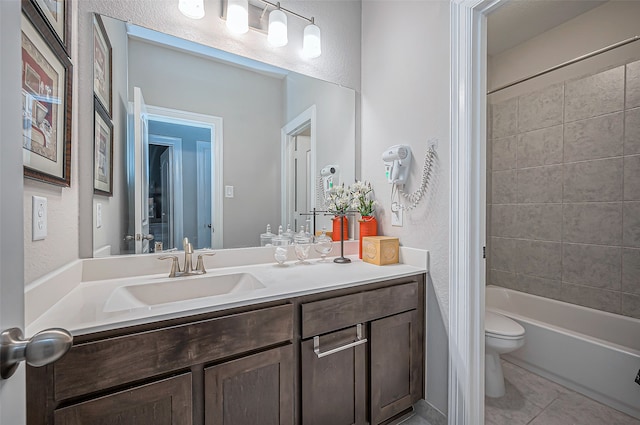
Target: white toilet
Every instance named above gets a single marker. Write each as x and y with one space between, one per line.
501 335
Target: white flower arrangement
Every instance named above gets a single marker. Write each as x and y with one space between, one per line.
361 193
339 200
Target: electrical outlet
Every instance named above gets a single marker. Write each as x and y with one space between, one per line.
396 215
39 220
228 191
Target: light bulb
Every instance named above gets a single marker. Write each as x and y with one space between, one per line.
277 35
311 45
193 9
238 16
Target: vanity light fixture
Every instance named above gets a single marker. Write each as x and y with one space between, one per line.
277 35
238 16
253 15
311 44
193 9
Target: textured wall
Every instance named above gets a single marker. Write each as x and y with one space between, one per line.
405 99
565 191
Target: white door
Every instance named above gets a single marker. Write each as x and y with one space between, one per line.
12 391
166 213
141 172
203 188
302 180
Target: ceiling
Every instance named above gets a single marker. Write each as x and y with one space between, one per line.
520 20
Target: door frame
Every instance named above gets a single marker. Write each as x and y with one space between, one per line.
202 146
308 117
12 391
175 144
467 230
215 125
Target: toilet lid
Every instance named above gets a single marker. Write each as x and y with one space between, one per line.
499 325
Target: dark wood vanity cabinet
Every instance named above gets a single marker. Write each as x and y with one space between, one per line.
346 357
362 355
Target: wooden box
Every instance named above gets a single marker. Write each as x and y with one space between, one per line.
380 250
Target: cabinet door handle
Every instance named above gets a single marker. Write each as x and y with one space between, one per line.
359 341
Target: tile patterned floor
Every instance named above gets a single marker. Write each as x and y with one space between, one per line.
533 400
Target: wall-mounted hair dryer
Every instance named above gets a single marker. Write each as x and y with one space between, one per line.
330 176
397 160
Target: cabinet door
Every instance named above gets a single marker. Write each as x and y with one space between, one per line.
257 389
396 358
334 385
166 402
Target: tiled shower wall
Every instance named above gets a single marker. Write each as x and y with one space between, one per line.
564 191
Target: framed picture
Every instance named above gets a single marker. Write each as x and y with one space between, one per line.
57 13
103 151
101 64
46 102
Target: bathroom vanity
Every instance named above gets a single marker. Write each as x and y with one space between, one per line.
352 354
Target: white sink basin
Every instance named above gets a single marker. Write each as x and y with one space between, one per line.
171 290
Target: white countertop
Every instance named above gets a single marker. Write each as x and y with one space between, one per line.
82 309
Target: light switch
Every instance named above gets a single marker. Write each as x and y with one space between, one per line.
99 215
39 222
228 191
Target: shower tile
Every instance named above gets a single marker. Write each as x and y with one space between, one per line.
540 259
593 223
631 220
540 221
504 117
504 279
538 286
632 178
503 154
503 187
600 299
631 270
592 265
573 408
540 184
540 147
633 85
631 305
595 95
503 254
632 132
593 181
540 109
503 221
600 137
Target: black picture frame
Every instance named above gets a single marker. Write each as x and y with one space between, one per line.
46 76
102 151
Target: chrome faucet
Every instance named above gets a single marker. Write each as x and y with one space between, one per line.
188 262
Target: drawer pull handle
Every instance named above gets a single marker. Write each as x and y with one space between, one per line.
359 340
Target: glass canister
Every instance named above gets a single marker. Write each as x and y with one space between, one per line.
265 238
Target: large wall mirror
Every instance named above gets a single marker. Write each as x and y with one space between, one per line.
213 146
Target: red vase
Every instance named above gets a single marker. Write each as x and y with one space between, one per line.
336 228
368 227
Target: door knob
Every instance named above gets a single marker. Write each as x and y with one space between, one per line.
41 349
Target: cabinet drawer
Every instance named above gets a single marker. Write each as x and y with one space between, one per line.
324 316
99 365
163 402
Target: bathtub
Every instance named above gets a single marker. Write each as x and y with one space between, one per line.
590 351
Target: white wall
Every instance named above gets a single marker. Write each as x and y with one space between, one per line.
71 210
61 244
115 208
251 106
336 124
405 99
610 23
